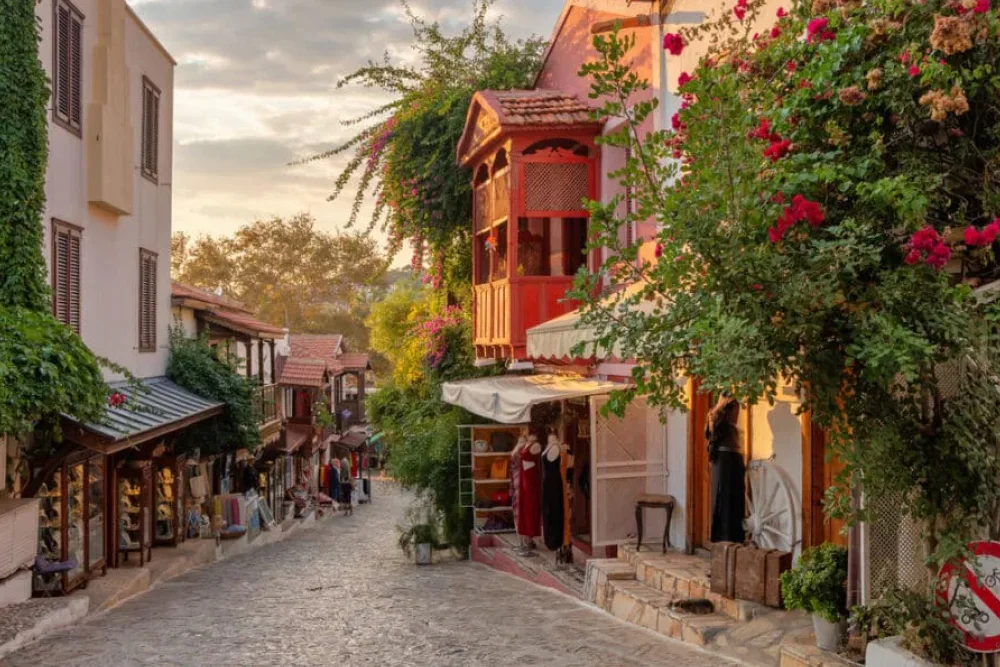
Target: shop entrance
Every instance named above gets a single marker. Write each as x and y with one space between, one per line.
628 459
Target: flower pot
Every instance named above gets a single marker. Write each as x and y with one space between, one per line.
829 636
423 554
890 653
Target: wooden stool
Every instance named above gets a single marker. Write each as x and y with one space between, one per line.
653 501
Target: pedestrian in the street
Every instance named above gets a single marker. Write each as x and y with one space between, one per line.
335 480
728 472
346 484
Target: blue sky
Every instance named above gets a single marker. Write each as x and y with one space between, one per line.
255 88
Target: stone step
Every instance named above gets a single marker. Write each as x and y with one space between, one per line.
635 602
685 577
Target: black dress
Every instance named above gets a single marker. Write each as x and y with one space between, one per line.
552 503
728 485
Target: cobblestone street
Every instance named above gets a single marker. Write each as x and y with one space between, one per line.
343 594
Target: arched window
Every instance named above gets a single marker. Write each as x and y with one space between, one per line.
500 162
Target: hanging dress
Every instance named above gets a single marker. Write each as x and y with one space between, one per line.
553 498
529 515
728 484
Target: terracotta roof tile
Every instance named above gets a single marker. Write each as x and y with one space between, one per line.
302 372
182 291
244 322
537 107
351 362
311 346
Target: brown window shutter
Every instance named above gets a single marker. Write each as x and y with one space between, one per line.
76 73
155 139
74 282
62 75
150 130
147 300
66 274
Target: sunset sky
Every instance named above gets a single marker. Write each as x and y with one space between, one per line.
256 88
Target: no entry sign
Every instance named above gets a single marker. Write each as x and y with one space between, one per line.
975 598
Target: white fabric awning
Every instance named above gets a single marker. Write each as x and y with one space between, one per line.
507 399
556 338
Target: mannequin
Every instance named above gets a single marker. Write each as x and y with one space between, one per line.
553 494
526 482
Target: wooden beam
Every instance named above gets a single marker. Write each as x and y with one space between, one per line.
808 507
629 23
260 361
689 503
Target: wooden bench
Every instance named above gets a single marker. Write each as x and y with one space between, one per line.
654 501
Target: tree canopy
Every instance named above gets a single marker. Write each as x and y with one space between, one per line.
404 153
289 273
827 201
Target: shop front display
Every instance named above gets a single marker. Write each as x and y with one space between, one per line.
133 489
491 477
168 503
71 531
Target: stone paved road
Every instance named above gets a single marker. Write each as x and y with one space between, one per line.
342 594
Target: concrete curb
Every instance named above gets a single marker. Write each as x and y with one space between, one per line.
74 610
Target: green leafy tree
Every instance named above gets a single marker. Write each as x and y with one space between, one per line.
195 366
826 208
404 155
290 274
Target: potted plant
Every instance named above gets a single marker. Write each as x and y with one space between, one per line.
421 536
817 584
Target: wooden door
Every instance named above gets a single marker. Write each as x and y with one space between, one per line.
820 476
699 471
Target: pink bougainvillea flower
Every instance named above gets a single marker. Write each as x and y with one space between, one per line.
782 13
939 256
807 210
982 7
659 250
791 66
775 32
117 399
927 245
904 57
914 70
757 287
677 123
817 30
673 43
975 238
763 132
778 149
684 79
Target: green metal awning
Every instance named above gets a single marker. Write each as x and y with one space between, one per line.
156 409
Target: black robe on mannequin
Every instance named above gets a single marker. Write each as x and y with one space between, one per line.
728 484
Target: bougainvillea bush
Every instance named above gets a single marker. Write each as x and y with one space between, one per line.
827 199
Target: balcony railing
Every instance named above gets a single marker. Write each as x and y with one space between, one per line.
506 309
266 402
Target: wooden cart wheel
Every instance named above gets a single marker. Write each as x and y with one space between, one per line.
772 521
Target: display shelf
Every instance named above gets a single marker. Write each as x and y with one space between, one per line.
492 481
489 454
507 508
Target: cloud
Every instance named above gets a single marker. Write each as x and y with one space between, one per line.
256 88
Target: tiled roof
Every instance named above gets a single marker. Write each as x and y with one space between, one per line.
536 108
313 346
152 409
244 322
351 362
299 372
182 291
295 436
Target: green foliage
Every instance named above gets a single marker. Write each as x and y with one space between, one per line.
925 626
848 303
407 161
196 367
23 156
421 528
289 273
818 582
45 370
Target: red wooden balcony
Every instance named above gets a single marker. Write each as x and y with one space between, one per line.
534 163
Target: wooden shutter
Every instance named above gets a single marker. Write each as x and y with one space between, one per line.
67 75
66 274
150 130
147 300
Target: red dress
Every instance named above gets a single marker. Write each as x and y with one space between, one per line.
527 492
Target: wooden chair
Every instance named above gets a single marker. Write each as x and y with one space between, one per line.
654 501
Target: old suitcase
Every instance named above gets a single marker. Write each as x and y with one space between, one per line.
776 564
751 574
723 578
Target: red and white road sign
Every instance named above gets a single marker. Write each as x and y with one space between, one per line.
975 600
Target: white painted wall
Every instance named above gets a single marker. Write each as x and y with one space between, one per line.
777 431
110 244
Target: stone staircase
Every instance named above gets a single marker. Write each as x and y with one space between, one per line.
642 587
